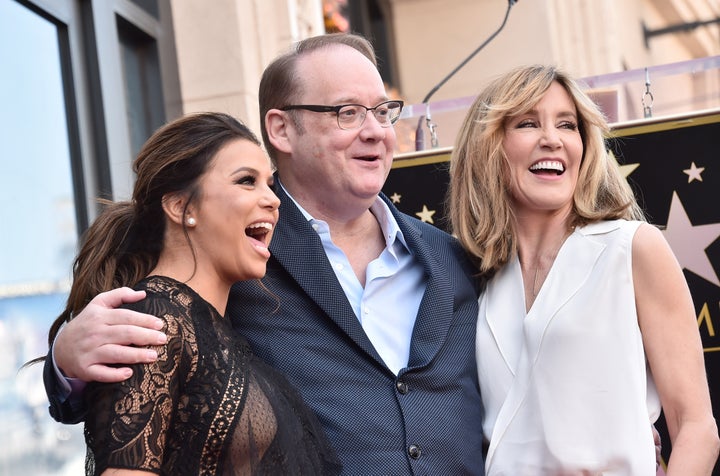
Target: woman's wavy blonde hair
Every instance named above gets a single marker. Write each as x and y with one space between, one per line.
478 196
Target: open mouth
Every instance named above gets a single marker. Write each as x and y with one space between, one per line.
548 167
259 232
368 158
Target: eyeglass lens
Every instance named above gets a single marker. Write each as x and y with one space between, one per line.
353 115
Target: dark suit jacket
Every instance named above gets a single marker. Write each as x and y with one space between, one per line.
425 421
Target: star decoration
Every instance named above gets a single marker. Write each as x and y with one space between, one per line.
426 215
395 197
694 172
688 242
626 169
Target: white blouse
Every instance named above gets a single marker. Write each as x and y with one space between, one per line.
565 386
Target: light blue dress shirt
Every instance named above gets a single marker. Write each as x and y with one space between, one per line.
394 287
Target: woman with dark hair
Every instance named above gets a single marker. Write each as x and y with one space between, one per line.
201 218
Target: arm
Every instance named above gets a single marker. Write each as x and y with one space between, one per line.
674 350
127 422
94 338
101 335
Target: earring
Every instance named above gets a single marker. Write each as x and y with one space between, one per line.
191 221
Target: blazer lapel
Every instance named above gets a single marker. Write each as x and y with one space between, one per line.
436 308
297 248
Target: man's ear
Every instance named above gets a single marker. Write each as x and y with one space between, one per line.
278 125
174 207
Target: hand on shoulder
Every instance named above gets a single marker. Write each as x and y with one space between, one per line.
103 334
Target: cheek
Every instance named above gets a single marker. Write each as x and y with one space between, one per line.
390 137
517 150
511 181
575 148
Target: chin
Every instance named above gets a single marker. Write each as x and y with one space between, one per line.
259 272
250 274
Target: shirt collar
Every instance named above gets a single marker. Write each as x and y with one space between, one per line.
390 228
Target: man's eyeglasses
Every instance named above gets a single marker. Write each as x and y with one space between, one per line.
352 116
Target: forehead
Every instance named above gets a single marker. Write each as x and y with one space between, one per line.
239 153
339 73
556 97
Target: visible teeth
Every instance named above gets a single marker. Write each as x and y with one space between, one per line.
267 226
548 165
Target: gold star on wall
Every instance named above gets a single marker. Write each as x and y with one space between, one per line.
426 215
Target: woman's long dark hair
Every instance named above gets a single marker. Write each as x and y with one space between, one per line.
123 244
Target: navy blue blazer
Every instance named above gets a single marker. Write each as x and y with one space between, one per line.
425 421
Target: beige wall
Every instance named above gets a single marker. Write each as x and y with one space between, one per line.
586 37
224 45
222 49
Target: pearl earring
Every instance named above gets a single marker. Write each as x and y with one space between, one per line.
191 221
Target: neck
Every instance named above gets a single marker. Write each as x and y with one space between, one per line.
538 245
536 232
180 267
337 212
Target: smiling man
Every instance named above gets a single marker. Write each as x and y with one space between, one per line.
370 313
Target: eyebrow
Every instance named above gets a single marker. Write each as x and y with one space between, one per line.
244 169
354 101
534 112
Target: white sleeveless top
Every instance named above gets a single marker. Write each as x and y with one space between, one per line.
566 388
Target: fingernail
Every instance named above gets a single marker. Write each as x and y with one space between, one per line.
159 323
162 339
152 355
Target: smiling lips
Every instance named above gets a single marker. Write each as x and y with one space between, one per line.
368 158
548 166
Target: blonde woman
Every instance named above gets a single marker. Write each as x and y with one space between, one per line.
587 327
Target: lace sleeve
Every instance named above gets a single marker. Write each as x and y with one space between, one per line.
126 424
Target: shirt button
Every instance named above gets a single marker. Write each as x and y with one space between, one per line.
315 226
339 266
414 451
402 387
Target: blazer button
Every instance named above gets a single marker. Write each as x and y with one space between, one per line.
402 387
414 451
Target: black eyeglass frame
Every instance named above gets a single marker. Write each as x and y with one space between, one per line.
338 108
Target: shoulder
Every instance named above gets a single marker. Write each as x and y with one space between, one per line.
425 238
609 226
650 244
170 300
612 232
427 231
429 234
429 239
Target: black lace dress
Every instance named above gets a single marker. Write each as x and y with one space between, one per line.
207 406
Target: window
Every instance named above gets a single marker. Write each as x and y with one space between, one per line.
40 216
143 89
81 90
